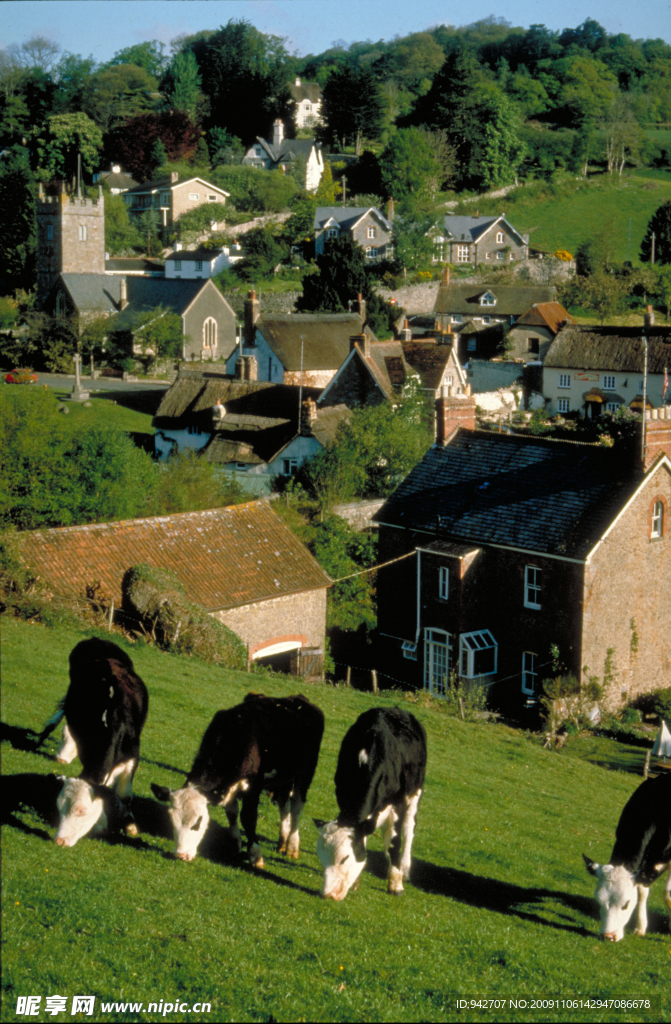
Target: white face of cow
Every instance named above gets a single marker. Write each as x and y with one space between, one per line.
80 810
190 816
343 855
617 896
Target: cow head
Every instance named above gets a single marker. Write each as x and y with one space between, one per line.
342 852
616 895
189 814
81 809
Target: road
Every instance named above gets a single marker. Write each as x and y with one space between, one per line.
66 381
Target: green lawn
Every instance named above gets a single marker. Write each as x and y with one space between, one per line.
562 217
130 411
501 905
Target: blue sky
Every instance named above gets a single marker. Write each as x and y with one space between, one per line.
101 27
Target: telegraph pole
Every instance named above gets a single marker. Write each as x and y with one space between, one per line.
645 391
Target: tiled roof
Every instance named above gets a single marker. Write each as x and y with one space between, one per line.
225 557
546 314
610 348
510 300
325 338
553 497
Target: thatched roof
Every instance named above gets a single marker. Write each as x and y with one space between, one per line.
510 300
610 348
324 338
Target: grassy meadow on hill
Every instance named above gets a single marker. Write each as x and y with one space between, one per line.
500 905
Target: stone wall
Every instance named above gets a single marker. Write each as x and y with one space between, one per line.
279 618
359 514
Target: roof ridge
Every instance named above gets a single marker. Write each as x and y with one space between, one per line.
535 437
144 519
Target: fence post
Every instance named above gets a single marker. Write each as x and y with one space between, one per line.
375 686
111 618
349 675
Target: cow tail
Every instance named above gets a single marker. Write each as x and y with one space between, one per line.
52 723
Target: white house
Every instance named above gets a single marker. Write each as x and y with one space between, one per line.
283 153
195 263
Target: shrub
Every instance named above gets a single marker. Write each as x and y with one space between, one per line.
656 703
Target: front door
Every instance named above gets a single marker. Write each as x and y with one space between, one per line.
437 661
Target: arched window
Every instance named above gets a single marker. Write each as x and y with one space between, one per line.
82 232
210 333
657 528
499 237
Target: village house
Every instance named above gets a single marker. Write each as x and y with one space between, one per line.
291 348
307 97
532 333
365 225
115 180
240 563
492 241
284 153
172 196
252 430
379 371
591 370
519 545
195 263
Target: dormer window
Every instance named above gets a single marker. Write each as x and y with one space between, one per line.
500 239
333 233
371 233
488 299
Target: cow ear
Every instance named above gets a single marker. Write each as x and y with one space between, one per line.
160 792
319 822
591 865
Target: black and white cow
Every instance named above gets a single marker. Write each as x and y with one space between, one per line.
378 781
105 709
642 853
267 743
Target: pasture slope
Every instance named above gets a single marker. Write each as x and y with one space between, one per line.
501 906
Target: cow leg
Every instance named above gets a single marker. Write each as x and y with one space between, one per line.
232 815
285 825
297 805
120 779
667 895
248 818
408 831
67 751
401 845
641 910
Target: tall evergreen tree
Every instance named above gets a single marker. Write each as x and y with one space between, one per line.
660 227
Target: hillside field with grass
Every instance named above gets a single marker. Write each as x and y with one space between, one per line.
500 905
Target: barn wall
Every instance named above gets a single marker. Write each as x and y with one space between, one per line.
269 621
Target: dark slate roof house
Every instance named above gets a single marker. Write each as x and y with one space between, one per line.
283 153
524 545
489 240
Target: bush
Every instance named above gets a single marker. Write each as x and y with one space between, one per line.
656 703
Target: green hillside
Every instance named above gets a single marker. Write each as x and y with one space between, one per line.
563 216
501 906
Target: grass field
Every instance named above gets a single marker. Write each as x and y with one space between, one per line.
562 217
500 905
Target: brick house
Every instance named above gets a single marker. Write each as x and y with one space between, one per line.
290 347
261 433
171 197
591 370
282 154
240 563
377 371
365 225
517 543
489 240
532 333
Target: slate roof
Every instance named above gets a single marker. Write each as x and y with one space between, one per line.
551 315
511 300
224 557
470 229
201 253
553 497
290 149
102 293
158 184
134 265
326 338
346 216
610 348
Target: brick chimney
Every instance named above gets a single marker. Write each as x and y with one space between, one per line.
649 317
453 411
657 434
252 313
278 132
445 279
362 341
308 416
246 368
123 293
360 308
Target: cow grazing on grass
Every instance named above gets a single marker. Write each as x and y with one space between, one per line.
642 853
267 743
378 781
105 709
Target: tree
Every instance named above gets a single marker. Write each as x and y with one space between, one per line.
120 235
37 52
413 244
342 276
409 166
133 141
198 221
67 136
18 224
73 74
224 148
119 92
659 228
158 333
183 88
351 107
159 155
148 55
264 249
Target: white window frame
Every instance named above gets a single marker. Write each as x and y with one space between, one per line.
532 586
488 299
178 264
443 582
563 405
371 233
83 233
165 199
463 254
612 407
457 318
500 238
469 645
194 195
409 650
333 233
564 380
437 661
486 319
529 673
199 264
608 382
211 199
210 333
500 255
657 527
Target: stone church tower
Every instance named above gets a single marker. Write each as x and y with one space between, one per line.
70 239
